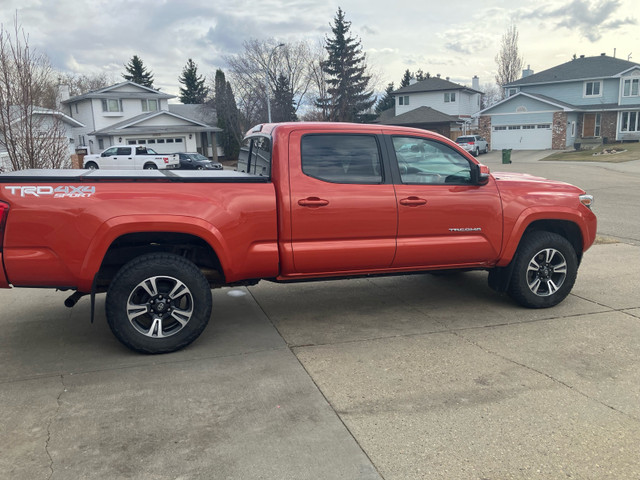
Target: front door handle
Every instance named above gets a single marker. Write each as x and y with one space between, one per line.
313 202
413 201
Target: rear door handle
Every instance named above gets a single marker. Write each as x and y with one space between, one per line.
413 201
313 202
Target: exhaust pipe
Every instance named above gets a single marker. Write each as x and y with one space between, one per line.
73 299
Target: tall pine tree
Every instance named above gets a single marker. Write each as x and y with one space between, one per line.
283 108
387 101
194 90
136 72
348 91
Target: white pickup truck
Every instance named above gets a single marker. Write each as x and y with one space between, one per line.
127 157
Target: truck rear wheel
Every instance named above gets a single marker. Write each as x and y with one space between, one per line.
545 270
150 166
158 303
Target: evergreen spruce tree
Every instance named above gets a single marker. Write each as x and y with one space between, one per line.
406 79
283 108
194 90
387 101
348 91
136 72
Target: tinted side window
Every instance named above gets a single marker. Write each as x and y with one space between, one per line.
423 161
124 151
341 158
110 151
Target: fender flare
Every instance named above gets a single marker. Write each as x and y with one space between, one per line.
526 218
116 227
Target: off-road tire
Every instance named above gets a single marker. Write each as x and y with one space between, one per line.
169 288
545 270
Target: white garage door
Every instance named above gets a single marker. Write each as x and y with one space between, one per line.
162 145
521 137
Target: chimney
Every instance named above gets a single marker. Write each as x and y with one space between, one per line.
527 72
602 54
61 95
475 83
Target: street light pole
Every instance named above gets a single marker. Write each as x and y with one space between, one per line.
266 79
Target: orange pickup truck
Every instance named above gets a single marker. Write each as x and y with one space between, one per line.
307 201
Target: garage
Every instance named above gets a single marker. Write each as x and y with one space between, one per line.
521 137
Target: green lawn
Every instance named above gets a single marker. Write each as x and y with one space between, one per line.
632 152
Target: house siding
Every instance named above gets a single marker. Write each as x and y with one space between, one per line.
572 92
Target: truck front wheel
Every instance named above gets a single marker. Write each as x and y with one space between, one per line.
545 270
158 303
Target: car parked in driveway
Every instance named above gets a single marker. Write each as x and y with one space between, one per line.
473 143
197 161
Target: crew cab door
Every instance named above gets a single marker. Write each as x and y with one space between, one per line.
444 217
123 159
343 205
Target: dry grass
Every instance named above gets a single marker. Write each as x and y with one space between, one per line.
631 152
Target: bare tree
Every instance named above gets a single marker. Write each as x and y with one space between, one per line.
508 59
33 136
492 94
318 84
259 66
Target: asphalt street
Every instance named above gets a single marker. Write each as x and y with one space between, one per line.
410 377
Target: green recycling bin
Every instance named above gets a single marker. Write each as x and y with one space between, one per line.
506 155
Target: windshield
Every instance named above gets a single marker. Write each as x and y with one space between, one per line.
465 139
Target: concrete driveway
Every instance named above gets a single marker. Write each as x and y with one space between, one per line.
408 377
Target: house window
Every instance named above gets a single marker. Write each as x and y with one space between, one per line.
149 105
630 87
512 92
544 126
593 89
499 128
101 144
111 105
629 122
514 127
403 100
449 97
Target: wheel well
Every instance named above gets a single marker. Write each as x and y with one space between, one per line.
130 246
564 228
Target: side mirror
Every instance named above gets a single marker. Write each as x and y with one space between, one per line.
481 174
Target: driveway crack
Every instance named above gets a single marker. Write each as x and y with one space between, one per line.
544 374
49 425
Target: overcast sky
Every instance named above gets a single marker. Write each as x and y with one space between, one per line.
455 39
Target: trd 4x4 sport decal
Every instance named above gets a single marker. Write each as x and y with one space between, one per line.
66 191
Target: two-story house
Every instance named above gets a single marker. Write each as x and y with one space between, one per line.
436 104
128 113
584 100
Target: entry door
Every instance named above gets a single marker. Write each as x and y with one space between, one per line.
591 125
443 219
343 208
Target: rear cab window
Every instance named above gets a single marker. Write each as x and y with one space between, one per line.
255 156
342 158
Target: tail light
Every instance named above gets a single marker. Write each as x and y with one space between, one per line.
471 143
4 210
